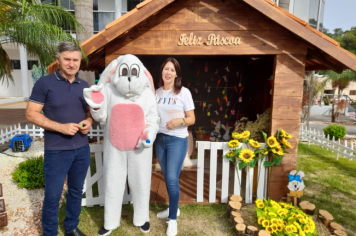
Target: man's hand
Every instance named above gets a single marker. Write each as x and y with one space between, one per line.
85 127
70 128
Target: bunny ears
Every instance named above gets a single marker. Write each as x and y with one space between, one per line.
111 69
298 177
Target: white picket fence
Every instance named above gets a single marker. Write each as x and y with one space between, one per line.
214 147
97 177
318 138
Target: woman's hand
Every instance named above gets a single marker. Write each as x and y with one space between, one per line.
172 124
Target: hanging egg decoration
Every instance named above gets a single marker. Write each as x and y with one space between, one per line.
240 99
240 84
223 92
232 112
196 90
228 103
221 108
199 103
208 113
225 115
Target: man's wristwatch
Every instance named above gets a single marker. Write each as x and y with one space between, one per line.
183 122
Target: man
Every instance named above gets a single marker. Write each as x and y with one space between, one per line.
66 120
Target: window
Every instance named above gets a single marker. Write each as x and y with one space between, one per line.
101 19
131 4
352 92
16 65
31 63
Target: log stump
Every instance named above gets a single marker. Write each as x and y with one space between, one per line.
233 206
252 230
307 207
233 214
238 220
340 233
325 217
240 229
236 198
334 226
263 233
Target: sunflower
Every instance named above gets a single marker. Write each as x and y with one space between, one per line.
279 227
272 142
274 221
269 229
265 223
294 228
264 151
260 205
278 150
245 134
274 227
272 214
260 220
233 143
286 143
230 153
254 143
289 206
289 229
307 229
246 155
284 134
235 135
258 200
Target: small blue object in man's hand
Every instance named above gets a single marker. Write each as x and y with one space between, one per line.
148 141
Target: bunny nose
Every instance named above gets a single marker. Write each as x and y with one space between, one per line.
129 79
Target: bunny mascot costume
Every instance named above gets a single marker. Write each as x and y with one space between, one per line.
124 99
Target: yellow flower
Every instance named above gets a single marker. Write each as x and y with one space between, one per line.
272 214
278 150
286 143
254 143
235 135
258 200
288 206
233 143
279 227
265 223
245 134
260 220
301 233
307 229
272 142
264 151
274 221
274 227
294 228
230 153
246 155
280 222
289 229
282 212
284 134
303 221
260 205
269 229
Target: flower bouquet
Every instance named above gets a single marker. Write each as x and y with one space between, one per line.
281 218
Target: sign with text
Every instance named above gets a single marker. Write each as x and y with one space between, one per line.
211 40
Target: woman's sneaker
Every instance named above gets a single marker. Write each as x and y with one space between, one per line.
164 214
172 228
145 228
103 231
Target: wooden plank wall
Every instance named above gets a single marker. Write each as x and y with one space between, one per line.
286 112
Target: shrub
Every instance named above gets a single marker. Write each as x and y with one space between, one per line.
30 173
337 131
326 100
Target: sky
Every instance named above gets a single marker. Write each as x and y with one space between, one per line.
340 14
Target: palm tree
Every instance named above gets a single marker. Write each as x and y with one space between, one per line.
340 81
36 26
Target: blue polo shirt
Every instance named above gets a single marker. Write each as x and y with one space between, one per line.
62 102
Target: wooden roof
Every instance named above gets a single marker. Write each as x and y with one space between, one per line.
324 53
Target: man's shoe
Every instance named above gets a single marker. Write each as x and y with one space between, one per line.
164 214
172 228
102 231
75 232
145 228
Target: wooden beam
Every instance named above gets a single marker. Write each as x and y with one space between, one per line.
318 56
316 68
303 32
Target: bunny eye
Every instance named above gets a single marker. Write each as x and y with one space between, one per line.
124 70
135 70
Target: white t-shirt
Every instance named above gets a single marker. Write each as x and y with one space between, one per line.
172 106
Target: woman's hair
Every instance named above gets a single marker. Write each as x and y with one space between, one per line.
178 80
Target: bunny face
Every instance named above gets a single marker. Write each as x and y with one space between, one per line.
129 78
295 181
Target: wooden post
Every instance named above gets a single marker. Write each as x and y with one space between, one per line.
252 230
240 229
236 198
325 217
334 226
307 207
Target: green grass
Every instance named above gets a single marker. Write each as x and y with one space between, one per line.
196 219
330 183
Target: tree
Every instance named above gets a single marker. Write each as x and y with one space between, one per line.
36 26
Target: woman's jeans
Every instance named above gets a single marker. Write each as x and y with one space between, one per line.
57 165
171 152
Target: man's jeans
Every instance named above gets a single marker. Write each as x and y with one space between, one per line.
57 165
171 152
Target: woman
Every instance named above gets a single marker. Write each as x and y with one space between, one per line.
176 110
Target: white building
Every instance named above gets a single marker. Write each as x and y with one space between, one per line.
104 12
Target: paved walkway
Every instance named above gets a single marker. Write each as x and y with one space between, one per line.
350 129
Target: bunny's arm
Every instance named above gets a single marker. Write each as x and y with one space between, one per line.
96 96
